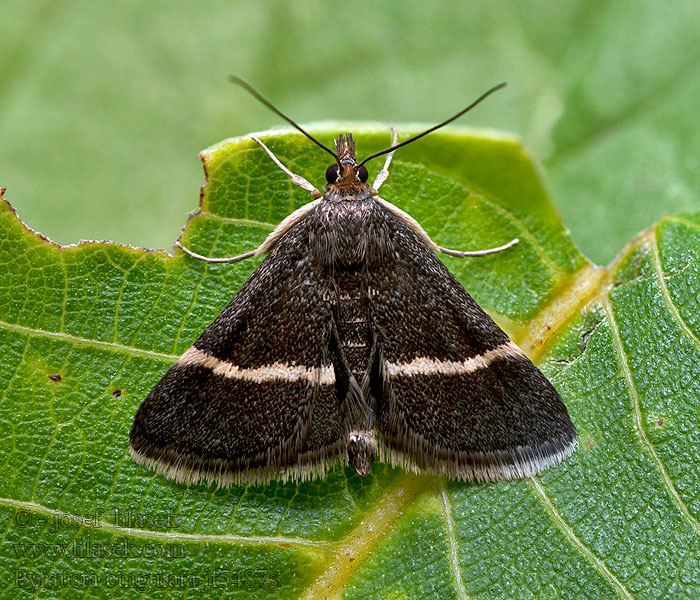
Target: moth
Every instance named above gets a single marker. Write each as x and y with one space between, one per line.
351 340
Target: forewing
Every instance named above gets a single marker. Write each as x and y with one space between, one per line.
254 398
457 395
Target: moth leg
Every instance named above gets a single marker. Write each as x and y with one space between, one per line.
462 254
296 179
417 228
413 224
230 259
298 215
384 173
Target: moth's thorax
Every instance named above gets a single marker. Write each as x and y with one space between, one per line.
347 191
343 231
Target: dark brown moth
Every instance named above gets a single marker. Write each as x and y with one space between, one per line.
351 340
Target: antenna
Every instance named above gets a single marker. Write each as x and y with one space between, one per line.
427 131
253 92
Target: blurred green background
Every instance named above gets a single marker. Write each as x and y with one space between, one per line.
104 106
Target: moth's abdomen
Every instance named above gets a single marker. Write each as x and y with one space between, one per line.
355 341
352 321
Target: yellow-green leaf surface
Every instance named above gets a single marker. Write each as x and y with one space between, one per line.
86 331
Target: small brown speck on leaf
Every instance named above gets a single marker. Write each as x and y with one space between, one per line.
55 378
117 393
660 423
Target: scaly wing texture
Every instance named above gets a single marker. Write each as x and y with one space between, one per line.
254 398
458 396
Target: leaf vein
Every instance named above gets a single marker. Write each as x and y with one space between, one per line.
74 339
568 531
666 294
235 220
679 219
164 536
634 396
453 544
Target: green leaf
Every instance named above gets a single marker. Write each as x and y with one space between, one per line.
87 330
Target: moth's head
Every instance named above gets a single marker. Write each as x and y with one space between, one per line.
346 171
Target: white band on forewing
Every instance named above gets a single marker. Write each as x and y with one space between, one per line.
273 372
431 366
280 371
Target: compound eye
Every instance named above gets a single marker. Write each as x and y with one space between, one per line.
332 175
362 173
